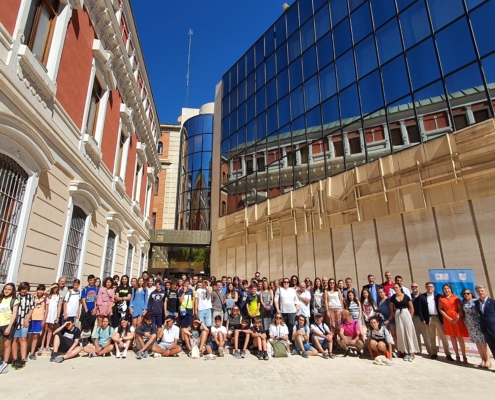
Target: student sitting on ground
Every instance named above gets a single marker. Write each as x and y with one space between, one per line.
102 340
322 336
301 339
196 332
241 339
218 335
379 339
66 340
145 335
122 338
168 346
259 338
233 322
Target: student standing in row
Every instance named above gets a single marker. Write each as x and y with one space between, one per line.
37 319
8 313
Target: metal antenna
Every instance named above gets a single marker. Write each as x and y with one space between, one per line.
188 65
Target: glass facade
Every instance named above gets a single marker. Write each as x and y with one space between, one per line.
195 173
334 84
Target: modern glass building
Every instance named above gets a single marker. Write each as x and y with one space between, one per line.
334 84
195 171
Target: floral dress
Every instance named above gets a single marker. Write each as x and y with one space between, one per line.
472 320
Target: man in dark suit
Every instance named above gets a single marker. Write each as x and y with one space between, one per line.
373 287
420 305
485 306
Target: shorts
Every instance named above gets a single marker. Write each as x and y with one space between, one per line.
186 320
323 342
11 333
165 346
35 327
213 345
21 333
306 345
173 314
205 316
65 344
157 320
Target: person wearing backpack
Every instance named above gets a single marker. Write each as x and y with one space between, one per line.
156 304
25 311
350 334
104 300
8 313
145 334
300 337
37 322
71 302
322 337
89 310
102 343
279 336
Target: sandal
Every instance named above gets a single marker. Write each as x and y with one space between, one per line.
331 355
325 355
464 360
458 359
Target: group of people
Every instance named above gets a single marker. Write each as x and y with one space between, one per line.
206 317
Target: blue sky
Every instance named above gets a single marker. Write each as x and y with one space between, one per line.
223 31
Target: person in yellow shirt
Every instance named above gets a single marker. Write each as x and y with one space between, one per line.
253 302
8 314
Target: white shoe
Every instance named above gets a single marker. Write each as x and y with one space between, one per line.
220 352
117 354
124 354
156 355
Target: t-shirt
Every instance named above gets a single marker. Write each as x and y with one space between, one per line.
204 299
70 336
62 292
259 330
172 301
143 328
155 302
6 311
304 329
123 306
214 330
187 301
304 309
90 293
103 335
170 335
278 330
72 298
39 309
121 334
252 303
287 300
321 329
350 329
217 300
381 335
26 304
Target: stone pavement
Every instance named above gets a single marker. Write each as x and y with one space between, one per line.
228 378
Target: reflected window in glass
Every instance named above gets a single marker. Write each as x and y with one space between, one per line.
309 63
283 83
283 111
250 81
311 92
349 103
330 113
345 70
280 31
281 58
482 22
260 76
294 47
371 93
415 25
444 11
361 23
339 10
295 74
455 46
395 80
322 22
272 119
423 64
260 101
325 50
250 108
307 35
261 126
327 82
366 56
270 67
383 10
271 92
260 51
342 37
292 19
389 43
269 42
297 104
250 61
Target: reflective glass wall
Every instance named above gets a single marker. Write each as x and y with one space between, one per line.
195 174
334 84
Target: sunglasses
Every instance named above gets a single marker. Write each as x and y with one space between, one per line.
414 287
467 293
278 317
286 281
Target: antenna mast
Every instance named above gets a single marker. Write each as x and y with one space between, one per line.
188 65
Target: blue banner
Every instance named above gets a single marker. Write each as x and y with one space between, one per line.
459 279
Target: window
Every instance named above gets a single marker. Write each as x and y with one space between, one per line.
141 264
249 166
224 177
13 181
120 155
413 133
291 158
74 244
107 267
338 147
137 182
304 155
460 121
355 145
224 208
39 27
396 135
153 221
157 185
260 163
128 264
481 115
94 103
160 148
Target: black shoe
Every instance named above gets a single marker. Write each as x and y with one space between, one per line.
20 364
265 356
434 356
347 352
449 358
260 355
15 363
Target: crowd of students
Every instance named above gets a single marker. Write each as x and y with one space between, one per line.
206 317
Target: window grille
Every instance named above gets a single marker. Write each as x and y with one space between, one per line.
128 266
74 244
107 268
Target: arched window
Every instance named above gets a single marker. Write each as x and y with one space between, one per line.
74 244
157 185
107 268
159 149
224 208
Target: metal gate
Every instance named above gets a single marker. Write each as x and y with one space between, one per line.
74 244
13 181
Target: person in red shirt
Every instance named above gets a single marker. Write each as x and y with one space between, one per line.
388 284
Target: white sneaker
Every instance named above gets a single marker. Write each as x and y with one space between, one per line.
156 355
117 354
124 354
220 352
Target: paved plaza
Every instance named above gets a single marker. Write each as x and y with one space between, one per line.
226 378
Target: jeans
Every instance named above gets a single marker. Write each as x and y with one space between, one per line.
290 321
205 317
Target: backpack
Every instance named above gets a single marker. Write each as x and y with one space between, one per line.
279 349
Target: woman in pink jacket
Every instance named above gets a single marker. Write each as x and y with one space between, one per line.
105 299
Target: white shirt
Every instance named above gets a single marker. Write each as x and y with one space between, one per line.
287 300
304 308
72 298
482 305
405 290
432 308
321 329
169 335
278 330
215 330
204 299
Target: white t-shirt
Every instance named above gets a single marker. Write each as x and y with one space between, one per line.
321 329
278 330
72 298
304 308
214 330
204 300
287 300
169 335
119 331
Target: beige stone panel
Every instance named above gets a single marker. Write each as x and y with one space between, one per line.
343 253
289 256
393 251
477 187
305 256
221 267
120 257
323 253
484 211
457 235
94 247
275 254
366 252
288 228
230 270
251 262
240 263
422 242
263 260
